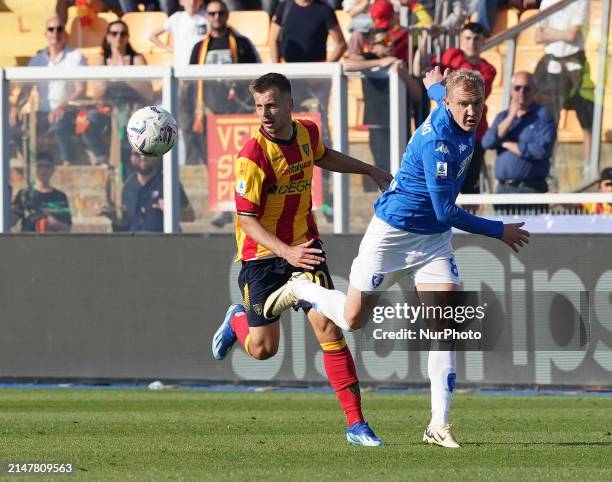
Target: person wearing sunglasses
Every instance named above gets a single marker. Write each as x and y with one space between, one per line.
56 115
524 136
119 98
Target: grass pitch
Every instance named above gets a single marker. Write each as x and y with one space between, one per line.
197 435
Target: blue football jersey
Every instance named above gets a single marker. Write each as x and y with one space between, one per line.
422 196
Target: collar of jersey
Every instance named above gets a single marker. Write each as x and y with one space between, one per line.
282 142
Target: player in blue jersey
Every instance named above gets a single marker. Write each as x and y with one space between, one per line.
410 234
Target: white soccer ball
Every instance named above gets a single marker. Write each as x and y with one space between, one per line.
152 131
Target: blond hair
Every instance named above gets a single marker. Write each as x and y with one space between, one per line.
468 79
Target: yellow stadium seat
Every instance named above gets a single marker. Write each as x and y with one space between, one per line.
506 18
569 128
21 36
494 58
7 61
527 58
159 58
253 24
344 20
527 37
141 24
89 36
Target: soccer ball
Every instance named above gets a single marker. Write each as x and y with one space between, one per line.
152 131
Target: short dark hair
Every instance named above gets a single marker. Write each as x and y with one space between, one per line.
473 27
269 81
218 1
45 156
606 174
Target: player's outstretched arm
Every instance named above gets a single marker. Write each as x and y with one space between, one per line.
338 162
300 256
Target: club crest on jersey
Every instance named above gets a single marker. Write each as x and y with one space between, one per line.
442 149
377 280
306 149
441 170
462 147
240 187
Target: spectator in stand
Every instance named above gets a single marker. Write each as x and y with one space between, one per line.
42 208
450 14
116 98
605 186
56 115
298 33
486 10
467 56
143 198
563 74
187 28
524 136
222 45
375 62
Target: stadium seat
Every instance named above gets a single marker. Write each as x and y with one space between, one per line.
141 24
86 37
527 58
494 58
506 18
344 20
21 36
159 58
254 24
527 37
569 128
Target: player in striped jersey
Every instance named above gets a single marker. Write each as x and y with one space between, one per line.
277 236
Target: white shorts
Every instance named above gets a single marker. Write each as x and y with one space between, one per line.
386 254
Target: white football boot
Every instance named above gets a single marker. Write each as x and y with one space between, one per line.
440 435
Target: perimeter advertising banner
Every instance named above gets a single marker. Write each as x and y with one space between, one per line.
227 134
149 310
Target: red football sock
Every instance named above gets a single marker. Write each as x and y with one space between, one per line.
340 369
240 325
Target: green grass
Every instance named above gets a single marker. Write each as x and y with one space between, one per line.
198 435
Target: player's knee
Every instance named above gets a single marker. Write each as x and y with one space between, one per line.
263 351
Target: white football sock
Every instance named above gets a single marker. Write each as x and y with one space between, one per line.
330 303
441 367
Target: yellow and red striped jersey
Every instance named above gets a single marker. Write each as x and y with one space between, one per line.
273 183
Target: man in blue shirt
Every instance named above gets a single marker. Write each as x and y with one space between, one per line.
524 137
410 234
143 198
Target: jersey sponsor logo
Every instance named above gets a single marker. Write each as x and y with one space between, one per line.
240 187
441 170
292 187
464 164
306 149
443 149
295 168
377 280
462 147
